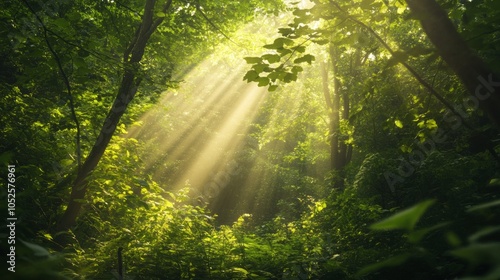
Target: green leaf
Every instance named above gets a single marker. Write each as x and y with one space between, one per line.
453 239
401 10
301 12
297 69
38 250
273 76
48 236
6 157
62 24
482 233
142 182
272 88
240 270
494 182
289 77
479 253
251 76
263 81
305 30
80 65
279 43
285 31
406 219
431 124
284 41
299 49
283 51
260 67
271 58
322 41
484 206
306 58
252 60
390 262
398 123
416 236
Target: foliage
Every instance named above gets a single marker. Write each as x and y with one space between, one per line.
481 256
435 216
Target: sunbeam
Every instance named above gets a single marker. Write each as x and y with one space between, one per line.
194 135
194 132
276 139
225 140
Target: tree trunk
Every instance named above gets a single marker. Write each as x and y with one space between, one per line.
128 88
338 108
333 118
479 80
339 152
344 157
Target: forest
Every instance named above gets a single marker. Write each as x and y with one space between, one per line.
257 139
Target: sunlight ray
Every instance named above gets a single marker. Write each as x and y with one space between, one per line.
212 100
226 140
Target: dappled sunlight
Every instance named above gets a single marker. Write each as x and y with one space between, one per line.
194 136
315 140
226 140
194 132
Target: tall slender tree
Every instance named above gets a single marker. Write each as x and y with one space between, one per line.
482 83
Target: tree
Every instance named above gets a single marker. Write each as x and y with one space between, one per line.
479 79
70 51
127 90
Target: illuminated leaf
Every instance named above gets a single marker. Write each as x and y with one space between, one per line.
251 76
306 58
260 67
263 81
273 76
252 60
271 58
297 69
284 51
272 88
285 31
322 41
299 49
279 43
431 124
289 77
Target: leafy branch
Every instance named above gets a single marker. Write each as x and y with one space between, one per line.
410 69
65 80
197 6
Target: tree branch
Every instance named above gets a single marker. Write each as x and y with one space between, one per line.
65 80
197 6
406 65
